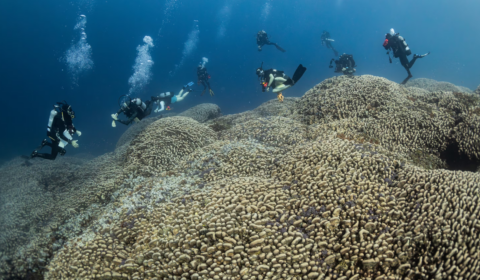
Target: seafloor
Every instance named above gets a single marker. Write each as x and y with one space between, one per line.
360 178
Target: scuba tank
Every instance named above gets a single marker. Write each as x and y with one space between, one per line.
405 45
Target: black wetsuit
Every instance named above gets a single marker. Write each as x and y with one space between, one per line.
133 111
61 122
345 61
203 77
328 43
262 39
397 46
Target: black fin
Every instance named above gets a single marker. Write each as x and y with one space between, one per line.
298 73
280 48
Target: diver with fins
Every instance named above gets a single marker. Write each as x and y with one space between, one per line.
327 41
60 131
345 64
203 77
134 109
396 43
165 99
278 80
262 39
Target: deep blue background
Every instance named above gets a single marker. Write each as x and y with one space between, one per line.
36 34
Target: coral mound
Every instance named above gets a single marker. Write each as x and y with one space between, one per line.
377 110
273 131
432 85
163 143
203 112
477 91
342 183
332 209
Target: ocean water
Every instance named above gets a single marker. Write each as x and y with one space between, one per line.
49 53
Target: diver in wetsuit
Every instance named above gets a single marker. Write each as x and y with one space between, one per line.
203 77
165 99
327 41
60 130
344 64
396 43
278 80
134 109
262 39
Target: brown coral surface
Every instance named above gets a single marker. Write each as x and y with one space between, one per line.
343 183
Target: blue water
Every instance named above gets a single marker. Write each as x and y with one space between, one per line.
37 34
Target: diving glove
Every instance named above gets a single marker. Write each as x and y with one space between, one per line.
136 120
268 88
75 144
79 133
280 97
115 117
114 124
211 93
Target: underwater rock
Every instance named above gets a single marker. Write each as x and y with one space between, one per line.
477 91
432 85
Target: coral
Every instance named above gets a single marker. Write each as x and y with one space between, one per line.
270 108
477 91
329 210
272 131
432 85
343 183
200 113
389 114
136 128
163 143
37 201
203 112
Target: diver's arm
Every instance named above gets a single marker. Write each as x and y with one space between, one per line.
130 120
67 135
53 113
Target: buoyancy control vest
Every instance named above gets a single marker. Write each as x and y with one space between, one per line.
399 45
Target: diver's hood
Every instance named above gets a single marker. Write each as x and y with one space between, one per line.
392 32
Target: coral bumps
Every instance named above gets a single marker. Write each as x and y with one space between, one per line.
343 185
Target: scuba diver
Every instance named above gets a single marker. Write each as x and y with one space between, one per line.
262 39
278 80
326 41
203 77
164 100
396 43
344 64
134 109
60 130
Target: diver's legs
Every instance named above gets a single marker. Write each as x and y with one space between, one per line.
204 87
53 155
415 56
180 97
407 78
